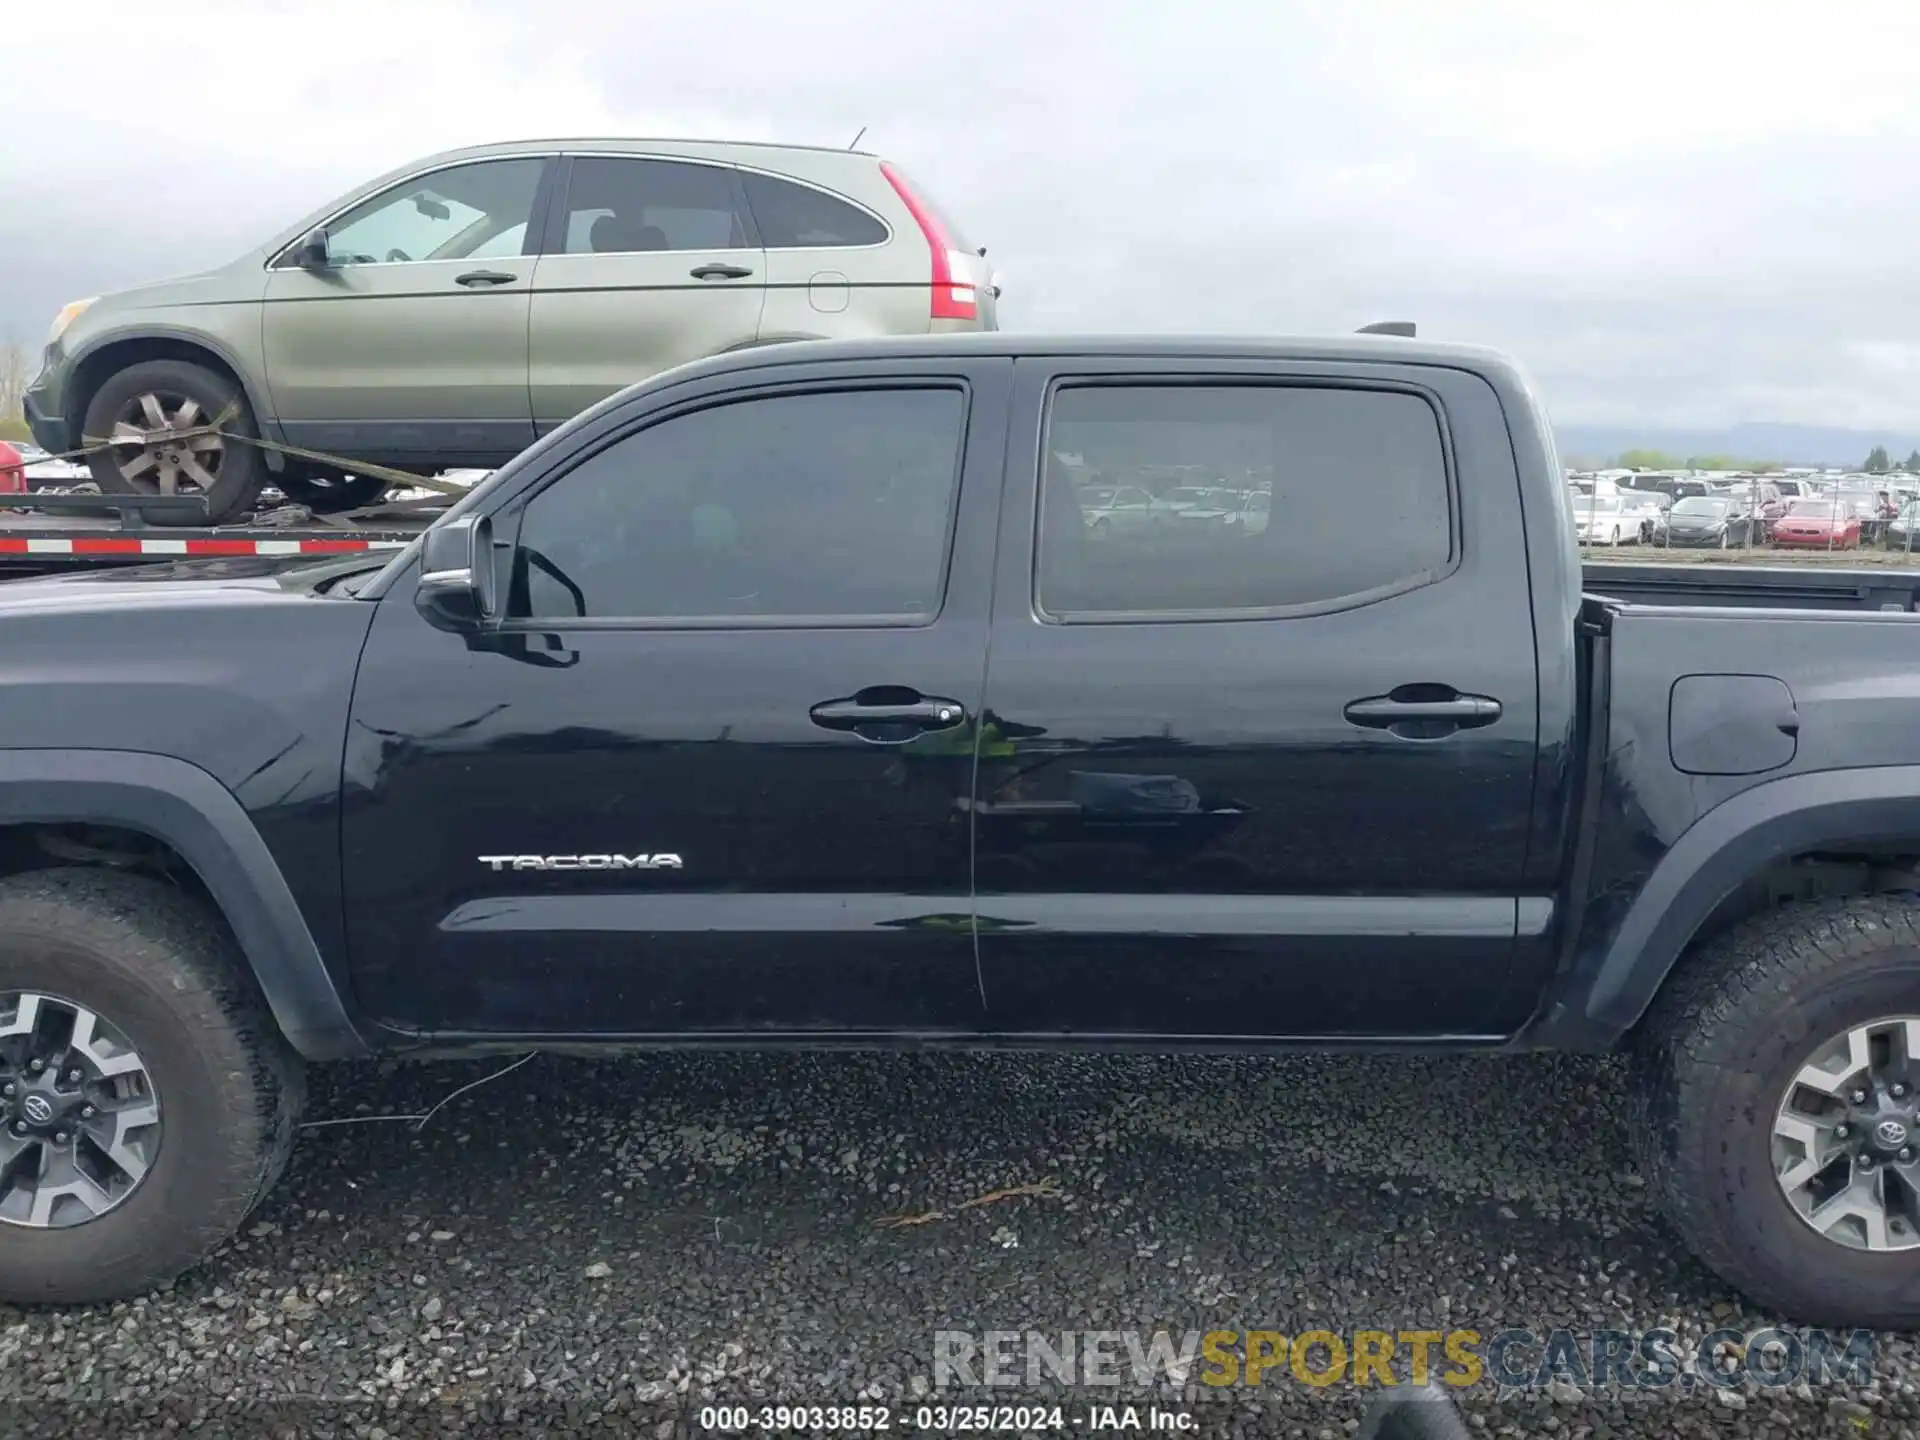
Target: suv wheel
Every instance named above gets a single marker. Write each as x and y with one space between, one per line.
146 1102
326 492
1779 1109
144 409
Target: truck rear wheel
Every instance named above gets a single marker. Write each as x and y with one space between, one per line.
1778 1096
160 415
146 1102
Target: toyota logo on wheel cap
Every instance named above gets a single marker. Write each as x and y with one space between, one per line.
38 1109
1890 1133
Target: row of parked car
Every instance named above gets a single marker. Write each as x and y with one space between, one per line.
1111 509
1787 514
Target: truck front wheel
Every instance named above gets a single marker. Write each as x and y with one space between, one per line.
1778 1106
146 1102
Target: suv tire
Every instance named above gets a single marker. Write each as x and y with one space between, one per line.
1715 1060
240 469
163 974
327 492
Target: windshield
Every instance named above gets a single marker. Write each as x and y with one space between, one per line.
1187 495
1702 505
1605 505
1817 509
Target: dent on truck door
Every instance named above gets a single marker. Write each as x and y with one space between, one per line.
1256 768
710 774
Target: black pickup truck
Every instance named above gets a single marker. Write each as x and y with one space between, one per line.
832 694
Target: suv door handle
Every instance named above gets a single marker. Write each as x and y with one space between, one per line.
1426 712
485 277
720 272
888 715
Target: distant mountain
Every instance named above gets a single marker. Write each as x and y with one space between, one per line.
1789 444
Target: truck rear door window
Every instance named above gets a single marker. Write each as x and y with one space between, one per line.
837 505
1261 499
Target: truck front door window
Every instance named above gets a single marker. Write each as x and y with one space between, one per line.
833 504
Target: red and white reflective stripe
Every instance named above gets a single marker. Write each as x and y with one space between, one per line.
130 545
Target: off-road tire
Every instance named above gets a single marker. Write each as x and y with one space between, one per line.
243 468
155 964
1713 1057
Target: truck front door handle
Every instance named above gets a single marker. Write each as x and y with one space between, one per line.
888 717
484 277
1417 712
720 272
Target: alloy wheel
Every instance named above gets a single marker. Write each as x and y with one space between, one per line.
157 450
79 1116
1846 1137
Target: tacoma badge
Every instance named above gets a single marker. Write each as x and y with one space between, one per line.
581 862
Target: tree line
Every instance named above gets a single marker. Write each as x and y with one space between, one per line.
1877 463
16 373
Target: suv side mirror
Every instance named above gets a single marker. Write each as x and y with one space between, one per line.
456 589
311 253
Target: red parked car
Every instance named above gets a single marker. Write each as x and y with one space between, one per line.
13 471
1819 525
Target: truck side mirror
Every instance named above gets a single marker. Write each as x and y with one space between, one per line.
312 253
456 587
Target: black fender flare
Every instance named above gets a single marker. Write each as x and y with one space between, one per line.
188 809
1606 994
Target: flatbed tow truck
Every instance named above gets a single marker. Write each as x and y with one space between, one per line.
51 528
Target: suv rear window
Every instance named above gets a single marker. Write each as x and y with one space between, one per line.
1359 502
797 217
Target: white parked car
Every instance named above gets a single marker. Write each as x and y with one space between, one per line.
1599 520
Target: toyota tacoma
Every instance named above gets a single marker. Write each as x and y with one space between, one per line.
790 698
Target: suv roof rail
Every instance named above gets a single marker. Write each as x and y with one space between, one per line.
1388 327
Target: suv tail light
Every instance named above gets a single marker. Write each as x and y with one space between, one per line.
953 294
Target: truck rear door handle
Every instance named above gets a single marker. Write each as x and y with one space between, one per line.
1423 712
888 714
484 277
720 272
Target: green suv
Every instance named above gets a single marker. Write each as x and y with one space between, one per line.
454 310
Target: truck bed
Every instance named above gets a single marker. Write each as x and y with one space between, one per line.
1793 587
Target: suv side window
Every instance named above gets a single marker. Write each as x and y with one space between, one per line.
621 207
797 217
833 504
452 214
1359 503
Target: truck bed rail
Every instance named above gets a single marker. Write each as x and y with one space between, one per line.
1791 587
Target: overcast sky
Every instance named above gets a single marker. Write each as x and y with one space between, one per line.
1687 213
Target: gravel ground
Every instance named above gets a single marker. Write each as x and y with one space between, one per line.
603 1247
